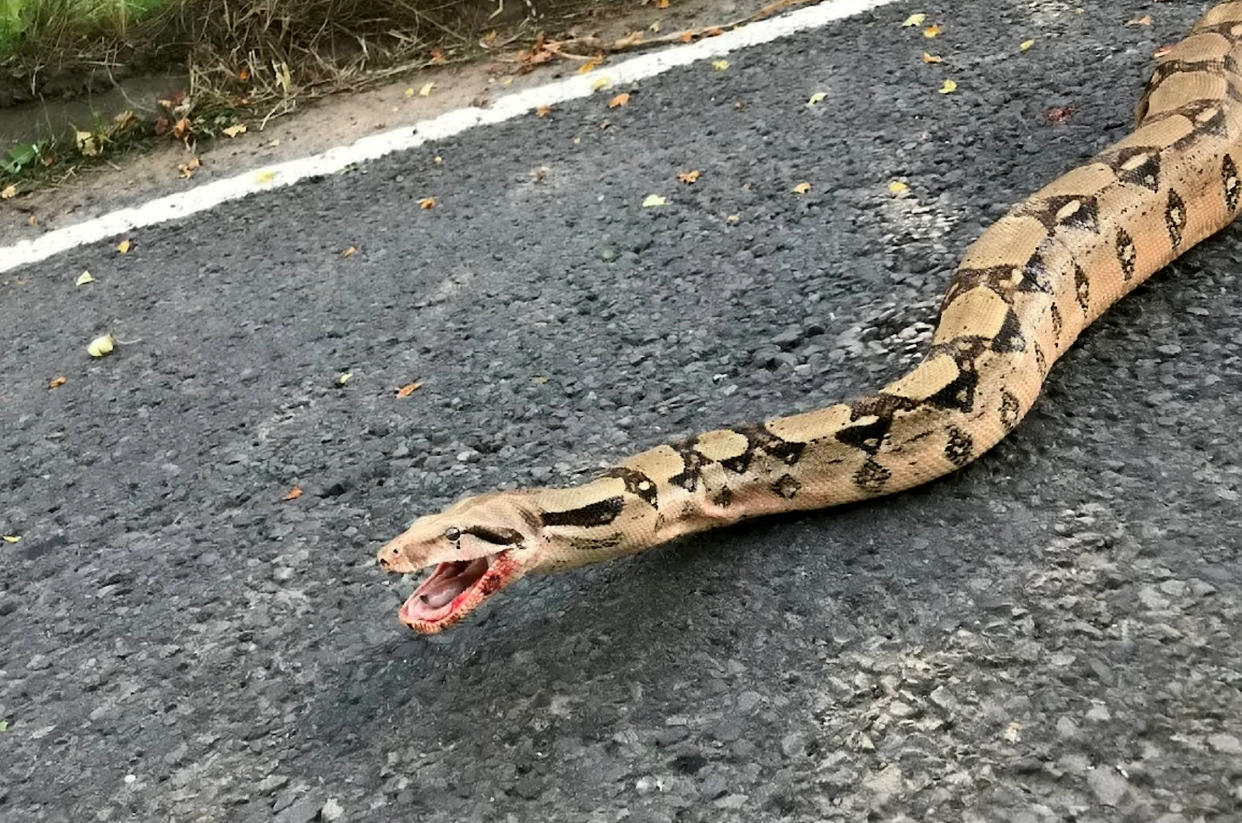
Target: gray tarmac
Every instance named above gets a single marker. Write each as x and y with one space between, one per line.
1049 635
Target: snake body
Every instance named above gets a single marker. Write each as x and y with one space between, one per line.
1023 293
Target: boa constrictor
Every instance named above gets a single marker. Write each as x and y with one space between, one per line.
1024 292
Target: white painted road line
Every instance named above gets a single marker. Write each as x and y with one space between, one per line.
264 178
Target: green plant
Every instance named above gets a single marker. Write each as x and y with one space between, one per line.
22 156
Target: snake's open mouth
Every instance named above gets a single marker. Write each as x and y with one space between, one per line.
454 589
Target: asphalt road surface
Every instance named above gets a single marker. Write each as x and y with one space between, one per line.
1051 634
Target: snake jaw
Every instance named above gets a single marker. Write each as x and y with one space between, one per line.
474 551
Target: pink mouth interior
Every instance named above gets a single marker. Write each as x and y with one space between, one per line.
441 593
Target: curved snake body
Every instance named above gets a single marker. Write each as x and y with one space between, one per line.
1023 293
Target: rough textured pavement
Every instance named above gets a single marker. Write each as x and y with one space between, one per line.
1049 635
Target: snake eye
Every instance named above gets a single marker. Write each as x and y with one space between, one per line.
452 534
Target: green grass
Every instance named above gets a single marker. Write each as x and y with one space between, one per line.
38 21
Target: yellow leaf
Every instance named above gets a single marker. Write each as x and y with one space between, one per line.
84 278
12 538
8 192
733 218
619 101
601 82
264 177
1025 45
101 346
897 187
689 176
656 25
234 130
408 389
293 494
543 111
409 91
86 143
427 203
661 4
720 65
57 382
349 252
540 380
489 38
123 246
425 89
931 58
437 160
343 378
653 201
817 97
802 188
948 87
932 31
591 65
915 20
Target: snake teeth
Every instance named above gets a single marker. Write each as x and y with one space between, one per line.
454 588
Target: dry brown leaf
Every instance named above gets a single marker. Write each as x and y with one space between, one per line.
57 382
689 177
349 251
489 38
630 40
188 168
933 30
591 65
408 389
543 111
9 192
619 101
427 203
802 188
244 74
293 494
1145 20
437 56
125 120
1161 52
931 58
183 128
661 4
714 31
1058 114
687 36
234 130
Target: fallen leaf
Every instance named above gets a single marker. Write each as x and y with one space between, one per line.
244 74
8 192
4 725
84 278
408 389
1025 45
343 378
817 97
57 382
689 177
661 4
733 218
653 201
1145 20
489 38
632 39
11 538
425 89
86 144
915 20
601 82
619 101
409 91
540 380
802 188
720 65
714 31
543 111
687 36
264 177
656 25
932 31
293 494
437 160
591 65
188 168
931 58
124 121
948 87
897 187
182 129
1161 52
123 246
349 252
437 56
234 130
427 203
101 346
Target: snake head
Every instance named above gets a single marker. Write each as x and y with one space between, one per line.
478 546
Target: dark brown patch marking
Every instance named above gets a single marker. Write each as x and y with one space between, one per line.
960 447
1010 411
871 477
786 486
599 513
1082 288
636 483
1127 255
1229 178
1175 217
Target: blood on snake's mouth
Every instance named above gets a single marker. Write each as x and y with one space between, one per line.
454 589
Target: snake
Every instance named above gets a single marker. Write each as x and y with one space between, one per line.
1022 294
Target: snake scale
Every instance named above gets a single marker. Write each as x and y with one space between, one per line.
1023 293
